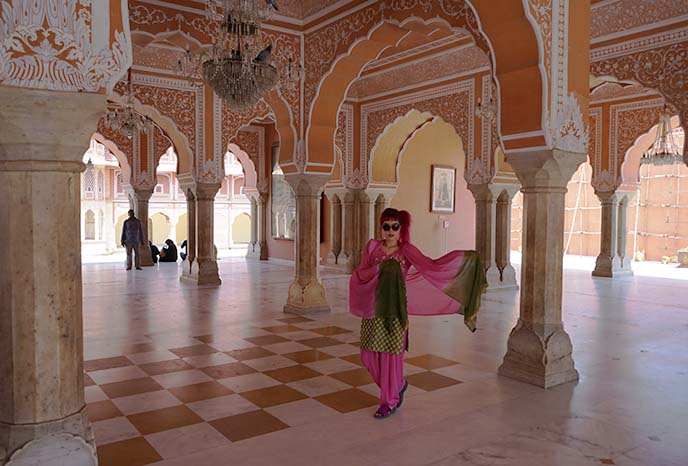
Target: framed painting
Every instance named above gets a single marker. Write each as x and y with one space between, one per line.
443 189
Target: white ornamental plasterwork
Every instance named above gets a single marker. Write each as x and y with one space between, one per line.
143 177
454 103
566 129
356 180
627 121
541 12
344 137
641 44
620 16
61 45
600 178
254 146
478 171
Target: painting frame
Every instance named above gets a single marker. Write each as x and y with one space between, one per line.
442 189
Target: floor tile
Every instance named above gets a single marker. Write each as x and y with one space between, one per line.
317 386
145 402
132 452
231 343
94 393
295 320
266 340
282 329
273 396
301 412
164 367
131 387
88 381
186 440
113 430
348 400
341 350
292 373
430 381
320 342
134 348
158 420
309 355
330 330
106 363
300 335
206 338
153 356
228 370
248 425
182 378
430 361
354 359
250 353
116 375
269 363
200 391
248 382
195 350
223 406
99 410
354 377
331 366
286 347
206 360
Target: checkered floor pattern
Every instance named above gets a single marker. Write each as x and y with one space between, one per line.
153 403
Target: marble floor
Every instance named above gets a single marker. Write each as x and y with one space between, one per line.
180 375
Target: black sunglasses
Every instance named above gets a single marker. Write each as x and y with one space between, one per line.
387 226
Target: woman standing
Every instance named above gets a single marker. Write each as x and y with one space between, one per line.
393 280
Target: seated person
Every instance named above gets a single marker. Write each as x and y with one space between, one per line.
155 252
168 252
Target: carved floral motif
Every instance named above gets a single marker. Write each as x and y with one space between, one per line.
160 144
612 17
248 141
566 128
49 44
233 121
123 143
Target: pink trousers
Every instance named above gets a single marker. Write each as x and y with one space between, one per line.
387 370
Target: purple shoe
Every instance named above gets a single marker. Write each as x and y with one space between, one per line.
384 411
401 394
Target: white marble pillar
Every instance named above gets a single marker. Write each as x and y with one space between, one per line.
307 293
43 136
612 260
507 275
263 225
539 350
335 228
622 229
348 219
141 198
485 230
190 232
204 269
253 249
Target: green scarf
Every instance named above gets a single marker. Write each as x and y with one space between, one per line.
390 294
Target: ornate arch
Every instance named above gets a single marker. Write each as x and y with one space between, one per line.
122 159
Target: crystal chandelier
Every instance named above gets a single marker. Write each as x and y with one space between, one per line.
664 151
236 66
126 119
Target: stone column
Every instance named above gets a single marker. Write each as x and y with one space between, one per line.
622 229
253 249
608 262
43 138
204 269
380 206
539 349
361 226
335 228
190 231
307 293
485 230
141 199
505 194
263 225
348 219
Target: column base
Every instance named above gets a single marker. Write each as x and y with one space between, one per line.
539 355
204 272
146 258
263 251
610 268
307 299
65 441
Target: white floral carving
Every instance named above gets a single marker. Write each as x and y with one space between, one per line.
605 182
356 180
49 45
566 128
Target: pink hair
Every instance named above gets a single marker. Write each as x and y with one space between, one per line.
404 219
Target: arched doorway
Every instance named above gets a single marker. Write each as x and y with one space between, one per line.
241 229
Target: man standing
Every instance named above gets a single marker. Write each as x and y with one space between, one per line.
132 237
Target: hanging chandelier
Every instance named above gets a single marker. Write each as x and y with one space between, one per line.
664 151
125 119
237 65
